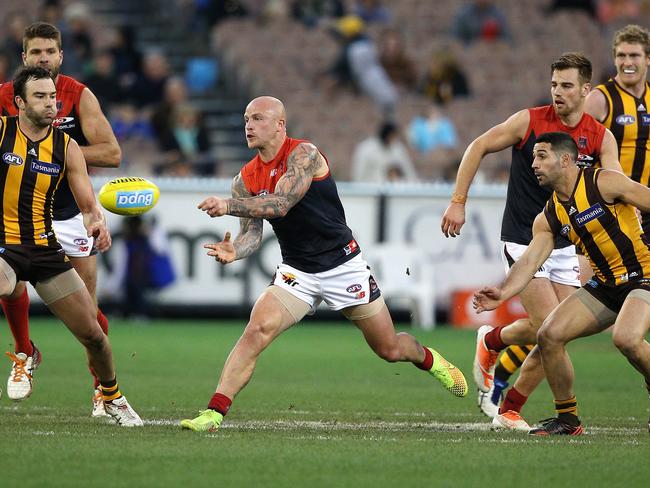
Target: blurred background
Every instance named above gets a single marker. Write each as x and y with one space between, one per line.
390 92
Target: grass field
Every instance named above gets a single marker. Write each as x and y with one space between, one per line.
321 410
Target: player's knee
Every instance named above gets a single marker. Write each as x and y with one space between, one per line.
93 337
548 335
261 331
625 343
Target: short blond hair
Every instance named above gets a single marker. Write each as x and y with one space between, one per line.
632 34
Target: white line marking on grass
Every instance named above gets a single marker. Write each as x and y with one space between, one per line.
385 426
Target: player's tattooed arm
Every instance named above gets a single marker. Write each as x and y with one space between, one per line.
303 162
250 229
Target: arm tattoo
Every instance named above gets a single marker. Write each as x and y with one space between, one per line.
250 229
302 164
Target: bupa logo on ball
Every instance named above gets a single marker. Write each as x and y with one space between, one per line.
134 199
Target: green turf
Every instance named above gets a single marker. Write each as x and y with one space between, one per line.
321 410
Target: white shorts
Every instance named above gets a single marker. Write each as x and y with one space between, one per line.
341 287
73 237
561 266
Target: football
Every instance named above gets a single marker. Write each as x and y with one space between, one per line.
129 195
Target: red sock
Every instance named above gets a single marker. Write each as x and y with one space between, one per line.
17 313
427 364
493 339
513 401
220 403
103 321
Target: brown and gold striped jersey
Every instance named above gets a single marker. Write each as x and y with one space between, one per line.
30 173
608 234
629 120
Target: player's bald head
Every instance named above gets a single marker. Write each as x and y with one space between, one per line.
270 106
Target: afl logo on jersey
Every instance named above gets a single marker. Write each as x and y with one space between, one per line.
12 159
564 231
625 119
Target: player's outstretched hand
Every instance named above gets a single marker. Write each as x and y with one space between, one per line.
214 206
224 251
487 298
453 219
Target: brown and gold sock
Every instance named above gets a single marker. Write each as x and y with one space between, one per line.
567 411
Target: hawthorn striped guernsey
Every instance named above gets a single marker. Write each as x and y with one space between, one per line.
608 234
30 173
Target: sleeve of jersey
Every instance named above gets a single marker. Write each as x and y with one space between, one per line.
551 217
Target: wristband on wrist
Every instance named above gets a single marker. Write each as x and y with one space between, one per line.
458 198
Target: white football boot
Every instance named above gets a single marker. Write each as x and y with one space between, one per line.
122 412
19 383
510 420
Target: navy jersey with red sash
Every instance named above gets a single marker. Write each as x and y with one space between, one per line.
68 96
526 198
313 235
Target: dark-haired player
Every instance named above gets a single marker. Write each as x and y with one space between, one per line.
595 210
80 116
559 276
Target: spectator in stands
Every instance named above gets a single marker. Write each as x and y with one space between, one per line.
211 12
399 66
372 11
432 131
129 124
614 14
103 82
358 62
141 264
312 12
187 145
433 136
444 79
149 86
162 116
79 48
5 74
480 20
126 56
374 156
14 28
585 5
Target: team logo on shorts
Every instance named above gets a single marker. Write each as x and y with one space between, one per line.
354 288
289 279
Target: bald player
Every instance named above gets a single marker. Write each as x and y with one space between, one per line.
289 184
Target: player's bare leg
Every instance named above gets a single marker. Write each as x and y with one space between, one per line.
269 318
379 332
86 267
629 333
570 320
77 312
532 372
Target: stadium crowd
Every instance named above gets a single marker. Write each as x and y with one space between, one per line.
421 67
